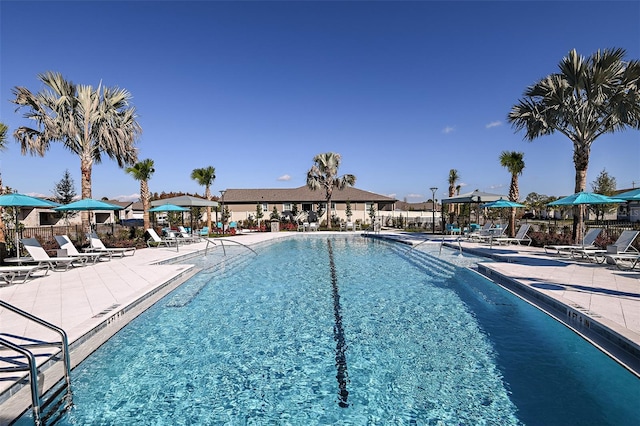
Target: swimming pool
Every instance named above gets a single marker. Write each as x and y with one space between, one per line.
346 330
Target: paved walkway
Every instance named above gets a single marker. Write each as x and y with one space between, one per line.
83 299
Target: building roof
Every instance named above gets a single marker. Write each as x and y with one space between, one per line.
301 194
123 204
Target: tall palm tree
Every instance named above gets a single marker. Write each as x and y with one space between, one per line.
205 177
454 177
588 97
324 174
89 122
3 145
142 171
514 162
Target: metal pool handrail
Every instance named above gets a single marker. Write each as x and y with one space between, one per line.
33 371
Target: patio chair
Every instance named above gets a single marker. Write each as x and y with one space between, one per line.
96 245
313 226
520 237
156 241
491 234
477 231
452 229
40 257
621 246
10 273
186 236
204 232
65 244
588 242
623 261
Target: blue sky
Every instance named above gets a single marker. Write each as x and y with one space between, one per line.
404 91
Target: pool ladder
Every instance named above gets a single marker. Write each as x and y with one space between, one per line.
46 411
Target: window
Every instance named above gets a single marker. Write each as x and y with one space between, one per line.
265 207
286 206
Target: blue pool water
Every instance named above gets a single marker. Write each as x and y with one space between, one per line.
349 331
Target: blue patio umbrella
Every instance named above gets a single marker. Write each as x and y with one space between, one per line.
88 204
168 208
17 201
633 195
501 203
581 198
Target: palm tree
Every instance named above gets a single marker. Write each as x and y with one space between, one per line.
3 145
205 177
454 177
89 122
587 98
143 171
324 174
514 162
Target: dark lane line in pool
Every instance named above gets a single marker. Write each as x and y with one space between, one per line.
338 335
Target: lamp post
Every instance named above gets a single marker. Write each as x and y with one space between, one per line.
433 209
222 191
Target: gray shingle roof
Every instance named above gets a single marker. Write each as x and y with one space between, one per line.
301 194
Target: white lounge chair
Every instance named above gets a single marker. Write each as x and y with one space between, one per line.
65 244
491 234
40 256
621 246
156 241
624 261
484 230
10 273
186 236
588 242
520 237
96 245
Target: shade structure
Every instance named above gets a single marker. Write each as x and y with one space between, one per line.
472 197
633 195
87 204
186 201
168 208
585 198
502 204
20 200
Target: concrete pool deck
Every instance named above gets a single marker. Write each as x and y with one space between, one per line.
83 300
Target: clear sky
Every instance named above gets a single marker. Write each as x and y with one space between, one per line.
404 91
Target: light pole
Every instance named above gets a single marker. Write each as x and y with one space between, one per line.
433 209
222 191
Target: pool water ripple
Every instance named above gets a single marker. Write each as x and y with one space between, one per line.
255 345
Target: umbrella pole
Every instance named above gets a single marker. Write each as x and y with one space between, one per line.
17 244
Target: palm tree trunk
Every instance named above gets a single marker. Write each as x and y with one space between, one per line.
144 194
581 160
85 185
207 194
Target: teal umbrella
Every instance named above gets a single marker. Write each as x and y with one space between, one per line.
633 195
585 198
502 204
17 201
168 208
88 204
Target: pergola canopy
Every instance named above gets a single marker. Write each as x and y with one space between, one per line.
473 197
185 201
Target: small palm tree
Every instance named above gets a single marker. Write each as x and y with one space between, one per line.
587 98
454 177
324 174
514 162
205 177
88 122
142 171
